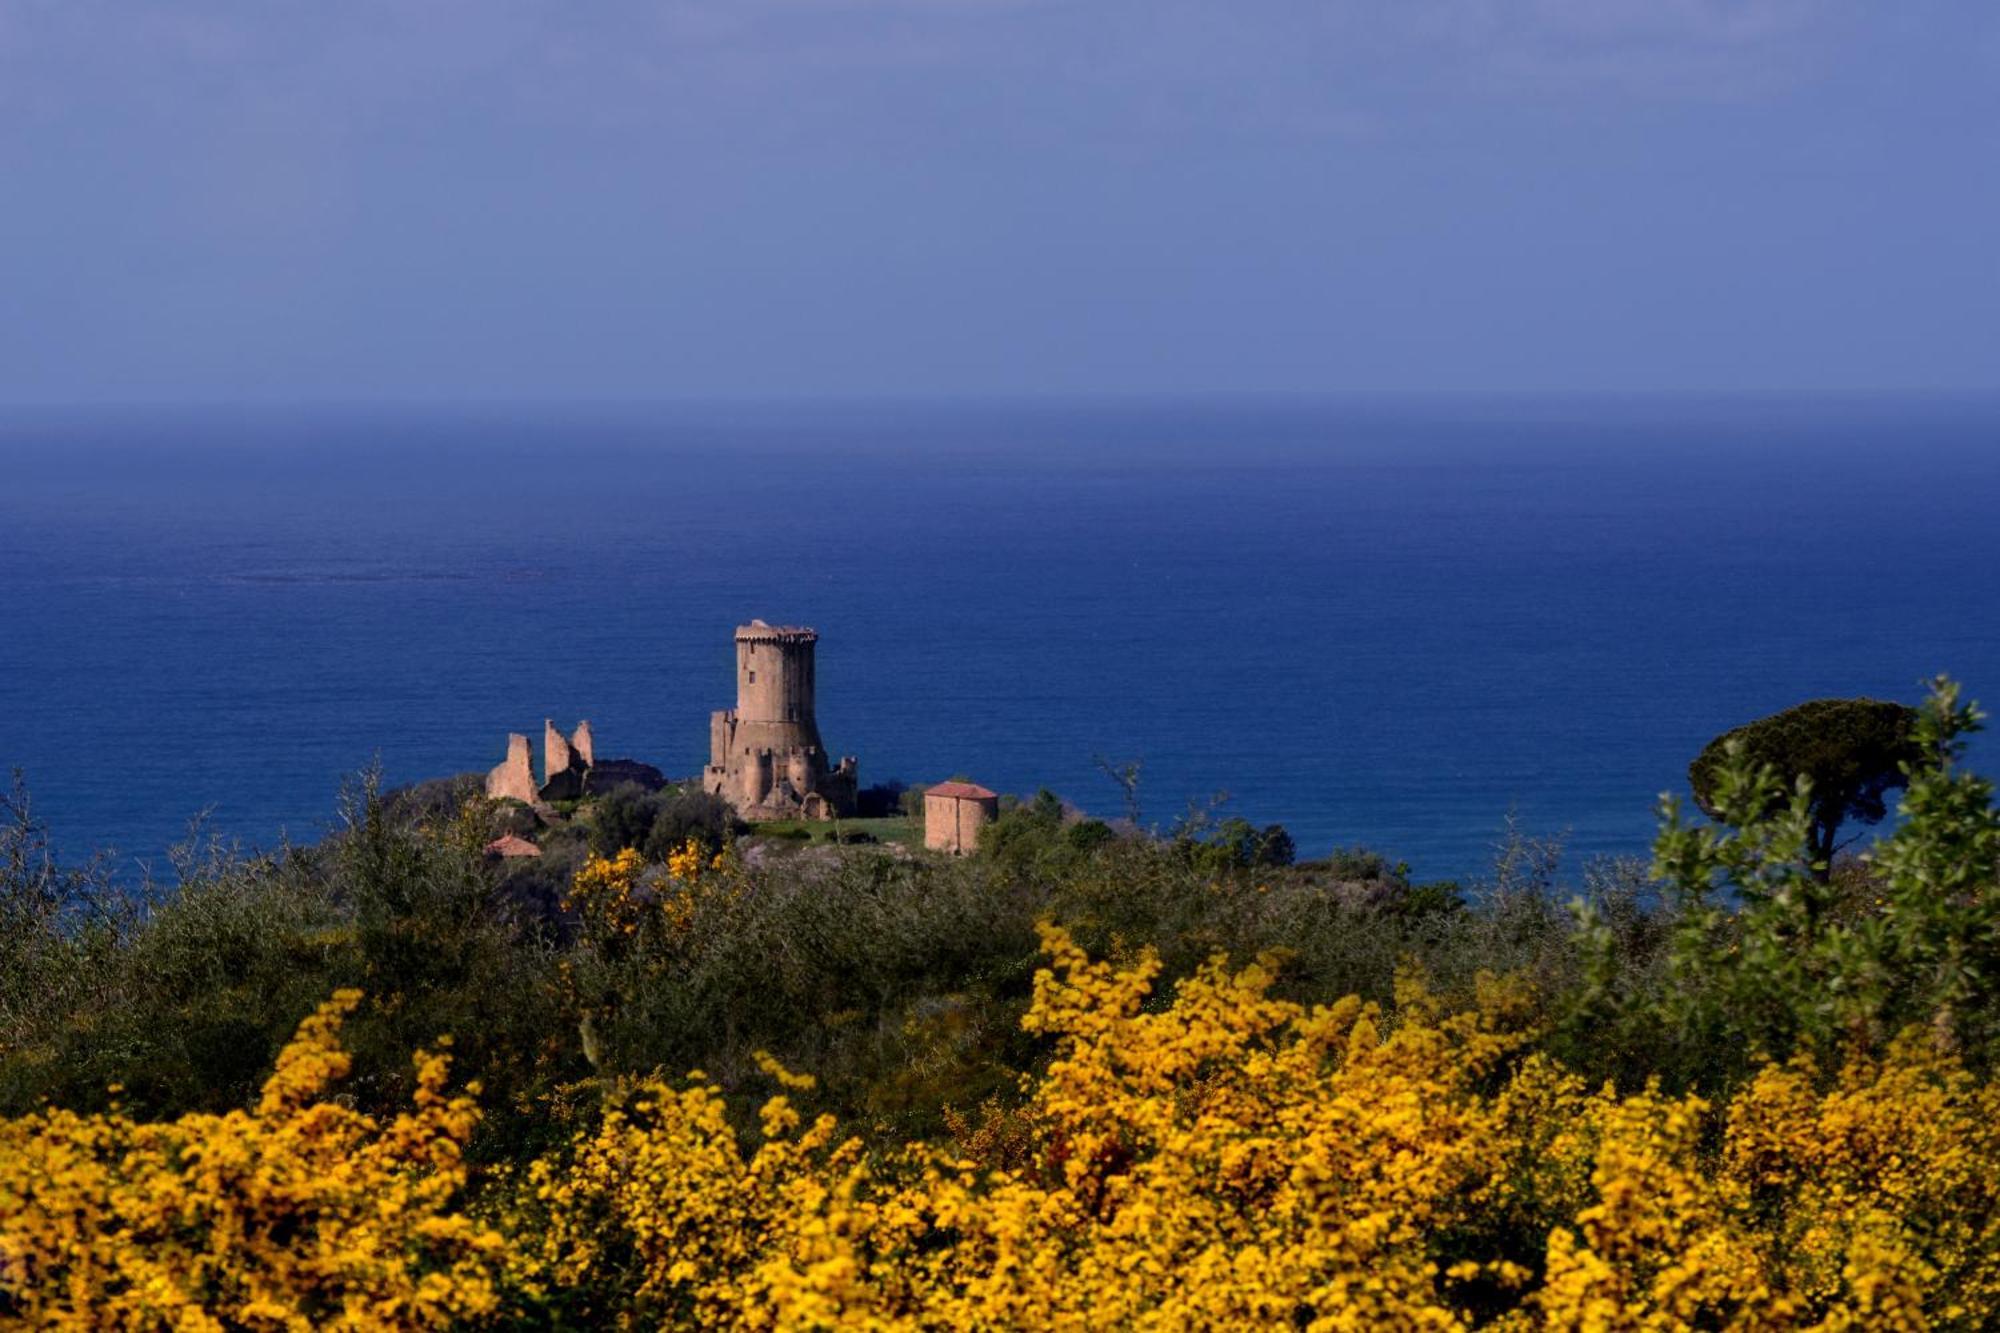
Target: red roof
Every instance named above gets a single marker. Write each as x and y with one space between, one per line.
512 846
961 791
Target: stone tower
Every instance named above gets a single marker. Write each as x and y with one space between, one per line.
765 755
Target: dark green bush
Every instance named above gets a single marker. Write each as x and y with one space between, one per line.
684 816
657 823
621 818
1359 863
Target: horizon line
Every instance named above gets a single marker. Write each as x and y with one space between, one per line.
1775 396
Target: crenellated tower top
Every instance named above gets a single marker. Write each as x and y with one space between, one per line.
759 632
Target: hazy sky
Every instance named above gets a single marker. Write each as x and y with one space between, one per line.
450 199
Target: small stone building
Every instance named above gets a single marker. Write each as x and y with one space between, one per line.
954 812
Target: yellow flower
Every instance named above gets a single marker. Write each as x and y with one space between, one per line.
299 1214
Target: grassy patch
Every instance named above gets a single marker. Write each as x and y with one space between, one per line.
896 829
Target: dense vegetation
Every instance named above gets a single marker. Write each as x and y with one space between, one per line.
1089 1076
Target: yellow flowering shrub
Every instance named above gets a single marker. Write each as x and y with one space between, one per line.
299 1214
1884 1189
1231 1160
1224 1160
1869 1202
604 892
607 893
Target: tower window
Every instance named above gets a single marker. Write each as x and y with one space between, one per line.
753 678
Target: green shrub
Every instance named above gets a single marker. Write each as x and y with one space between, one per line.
621 818
684 816
1766 953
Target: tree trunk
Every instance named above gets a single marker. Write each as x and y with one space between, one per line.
1820 848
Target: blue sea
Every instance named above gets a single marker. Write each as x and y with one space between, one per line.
1391 623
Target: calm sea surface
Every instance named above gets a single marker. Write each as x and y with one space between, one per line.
1386 624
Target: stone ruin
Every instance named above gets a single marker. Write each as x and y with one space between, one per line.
570 769
765 755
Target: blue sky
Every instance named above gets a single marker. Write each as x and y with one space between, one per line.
221 200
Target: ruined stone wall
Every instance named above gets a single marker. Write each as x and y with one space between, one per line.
556 754
566 763
514 778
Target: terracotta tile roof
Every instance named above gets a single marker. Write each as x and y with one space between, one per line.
512 846
963 791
